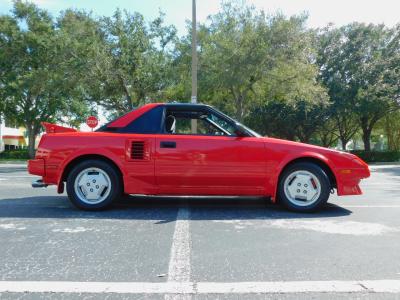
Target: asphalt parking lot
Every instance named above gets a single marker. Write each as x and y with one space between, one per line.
199 248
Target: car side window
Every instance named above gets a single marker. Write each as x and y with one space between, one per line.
179 122
227 126
184 126
148 123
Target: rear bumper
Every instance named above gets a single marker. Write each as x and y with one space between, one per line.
36 167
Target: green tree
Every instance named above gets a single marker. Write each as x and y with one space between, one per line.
234 54
360 67
133 63
298 120
331 75
327 133
247 59
391 127
35 82
293 105
242 48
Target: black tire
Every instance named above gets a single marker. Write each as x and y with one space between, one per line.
115 188
323 179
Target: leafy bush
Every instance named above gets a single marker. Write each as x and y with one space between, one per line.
14 154
377 156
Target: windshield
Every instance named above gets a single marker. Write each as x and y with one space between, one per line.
255 134
250 131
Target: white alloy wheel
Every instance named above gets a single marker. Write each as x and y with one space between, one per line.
92 185
302 188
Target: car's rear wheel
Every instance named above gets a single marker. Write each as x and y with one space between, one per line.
93 185
304 187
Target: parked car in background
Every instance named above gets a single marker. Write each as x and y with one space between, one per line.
153 151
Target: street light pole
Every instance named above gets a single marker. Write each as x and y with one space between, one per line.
194 62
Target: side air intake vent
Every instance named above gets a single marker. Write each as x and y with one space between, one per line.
137 151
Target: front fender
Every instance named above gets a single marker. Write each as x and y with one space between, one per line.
291 157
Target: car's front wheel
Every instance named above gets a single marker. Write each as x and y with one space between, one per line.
304 187
93 185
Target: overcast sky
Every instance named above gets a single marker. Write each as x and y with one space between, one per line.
321 12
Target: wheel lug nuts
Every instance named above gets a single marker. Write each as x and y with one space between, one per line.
88 184
306 185
94 181
97 187
299 184
305 192
91 190
298 191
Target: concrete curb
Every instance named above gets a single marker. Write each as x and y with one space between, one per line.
394 163
13 162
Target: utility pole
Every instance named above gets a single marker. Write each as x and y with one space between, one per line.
194 62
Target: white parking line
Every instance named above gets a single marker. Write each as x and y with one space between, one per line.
372 286
190 288
179 263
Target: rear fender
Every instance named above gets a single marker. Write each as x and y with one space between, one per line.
96 152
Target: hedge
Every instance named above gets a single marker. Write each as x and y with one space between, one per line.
371 156
377 156
14 154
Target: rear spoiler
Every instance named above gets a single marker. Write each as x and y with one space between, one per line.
53 128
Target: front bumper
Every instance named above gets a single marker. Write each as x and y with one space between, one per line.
348 180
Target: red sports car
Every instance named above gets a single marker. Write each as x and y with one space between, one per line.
189 149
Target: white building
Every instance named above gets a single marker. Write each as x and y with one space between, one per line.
11 136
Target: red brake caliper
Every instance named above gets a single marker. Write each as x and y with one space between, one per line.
313 183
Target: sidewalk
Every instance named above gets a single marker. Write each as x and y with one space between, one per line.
13 163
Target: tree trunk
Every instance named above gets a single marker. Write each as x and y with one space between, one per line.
342 137
366 136
240 108
367 139
327 139
31 141
325 143
344 143
304 137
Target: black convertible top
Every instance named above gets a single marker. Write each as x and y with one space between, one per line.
178 105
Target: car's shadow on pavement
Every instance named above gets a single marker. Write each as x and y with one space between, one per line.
161 210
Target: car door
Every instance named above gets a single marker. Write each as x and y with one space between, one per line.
209 164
